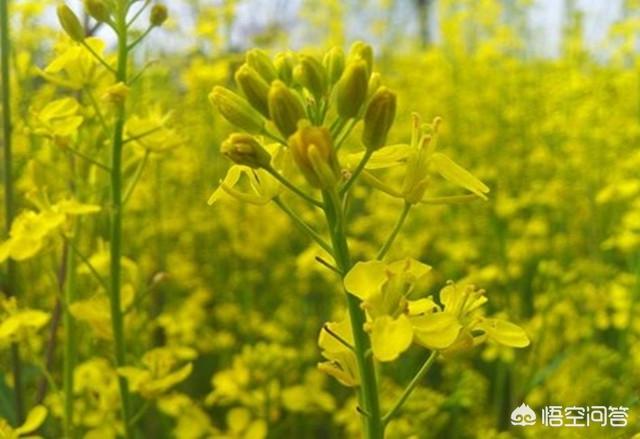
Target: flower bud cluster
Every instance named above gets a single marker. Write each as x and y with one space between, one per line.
305 102
102 11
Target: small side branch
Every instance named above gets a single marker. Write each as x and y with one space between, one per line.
356 173
394 233
303 225
286 183
98 57
409 389
341 340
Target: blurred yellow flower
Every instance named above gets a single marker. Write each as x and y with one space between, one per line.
157 374
30 231
58 118
75 66
262 186
17 323
35 418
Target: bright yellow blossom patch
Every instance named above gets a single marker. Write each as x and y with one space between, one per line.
58 119
421 160
341 362
152 132
395 321
17 323
31 231
75 67
35 418
158 373
261 186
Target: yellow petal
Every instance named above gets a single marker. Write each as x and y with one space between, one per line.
436 331
33 318
257 430
136 377
334 369
35 418
411 267
59 108
456 174
506 333
385 157
5 250
365 278
376 183
422 306
231 179
24 247
158 386
95 312
238 419
27 318
73 207
451 298
389 337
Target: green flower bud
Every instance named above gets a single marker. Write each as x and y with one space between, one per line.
254 88
285 108
351 89
284 63
158 15
311 75
334 64
70 23
374 83
98 9
312 150
259 61
237 110
243 149
363 51
378 118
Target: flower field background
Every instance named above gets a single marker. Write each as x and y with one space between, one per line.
221 314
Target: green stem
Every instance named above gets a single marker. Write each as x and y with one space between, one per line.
117 319
343 137
368 393
11 285
90 266
136 178
340 340
98 58
139 74
83 156
138 12
409 389
274 137
453 199
70 343
140 38
303 225
96 108
136 418
356 173
286 183
394 233
142 134
337 126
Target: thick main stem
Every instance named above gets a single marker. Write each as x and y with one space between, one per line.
70 343
368 393
5 49
117 318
